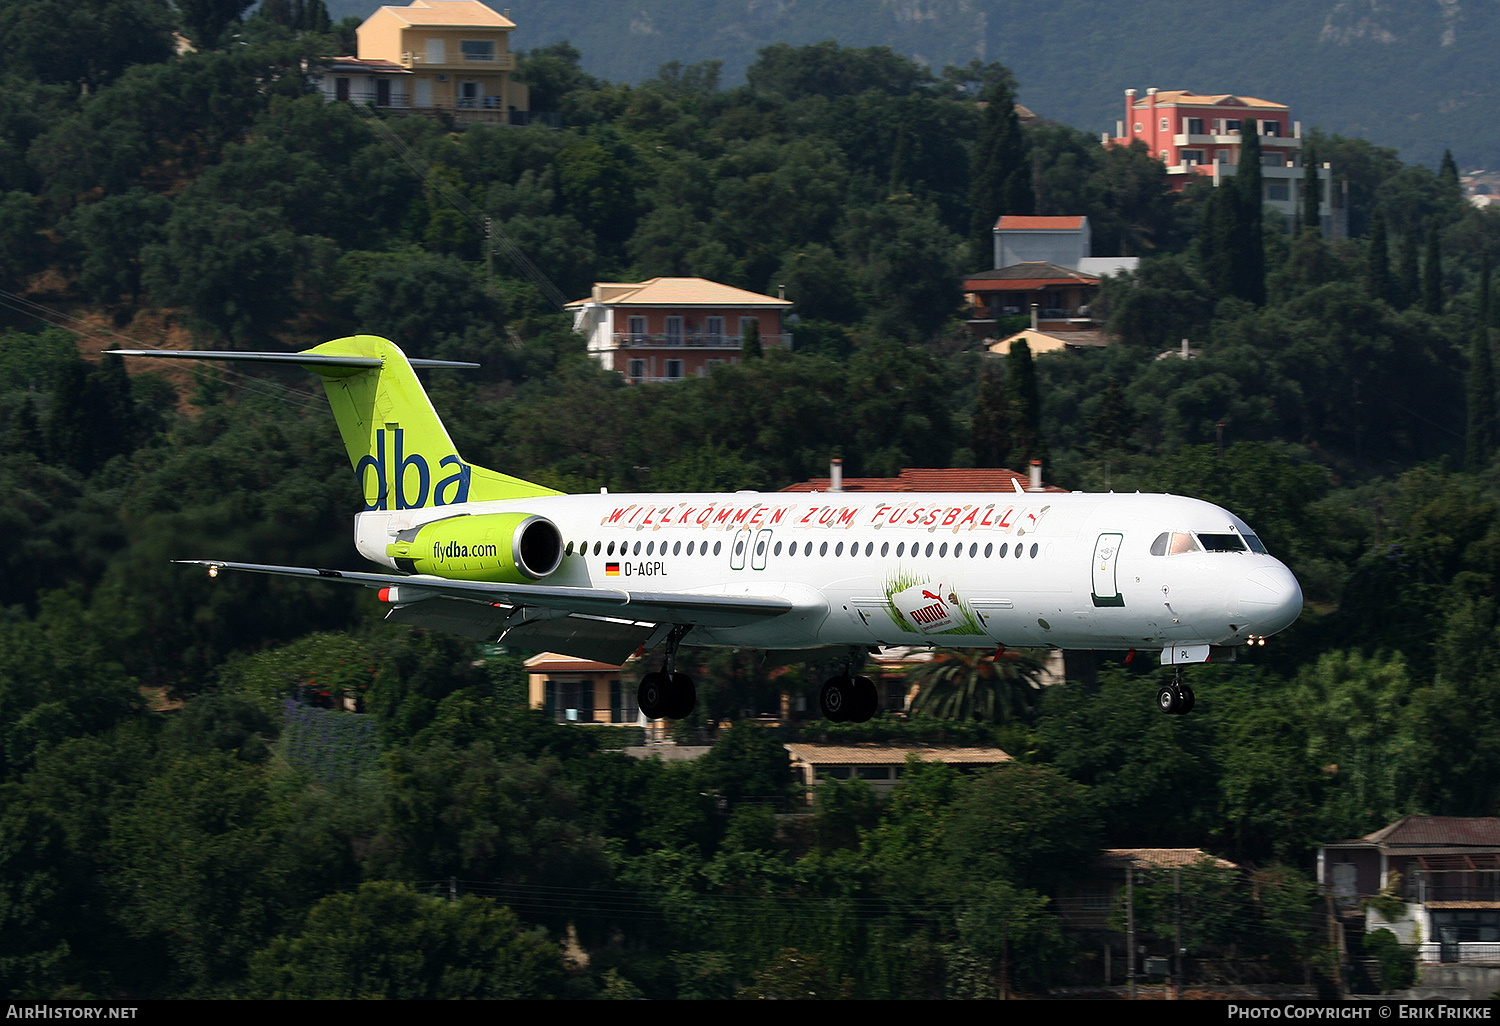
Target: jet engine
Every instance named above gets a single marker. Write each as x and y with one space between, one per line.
511 548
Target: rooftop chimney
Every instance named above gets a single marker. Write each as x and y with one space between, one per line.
836 475
1036 476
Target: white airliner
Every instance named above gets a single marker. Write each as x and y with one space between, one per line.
796 575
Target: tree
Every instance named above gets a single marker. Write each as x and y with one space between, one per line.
1312 188
1027 443
1407 286
990 429
1249 244
387 941
208 21
999 171
1482 426
83 42
967 684
1378 260
1432 274
750 344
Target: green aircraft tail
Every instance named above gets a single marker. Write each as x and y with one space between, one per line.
399 448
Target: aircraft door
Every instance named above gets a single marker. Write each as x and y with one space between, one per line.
1106 557
737 549
762 549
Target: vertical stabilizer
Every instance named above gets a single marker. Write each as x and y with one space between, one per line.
397 445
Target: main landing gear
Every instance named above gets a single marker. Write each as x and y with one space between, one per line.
1175 696
849 699
665 692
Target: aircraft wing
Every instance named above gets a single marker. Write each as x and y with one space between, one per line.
485 620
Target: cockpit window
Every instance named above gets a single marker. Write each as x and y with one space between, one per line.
1256 545
1222 542
1173 543
1181 543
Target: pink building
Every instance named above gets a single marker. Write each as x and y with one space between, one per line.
1197 134
666 329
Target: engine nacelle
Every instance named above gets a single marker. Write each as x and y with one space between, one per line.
512 548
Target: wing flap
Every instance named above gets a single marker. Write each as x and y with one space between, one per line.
656 607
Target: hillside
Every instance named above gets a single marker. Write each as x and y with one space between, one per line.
1418 77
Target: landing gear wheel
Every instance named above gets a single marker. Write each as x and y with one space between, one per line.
1188 700
837 699
866 700
682 697
654 695
1167 699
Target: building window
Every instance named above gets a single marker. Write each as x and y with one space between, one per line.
674 331
1277 191
1195 126
1164 157
637 369
478 49
1272 160
1137 128
745 323
341 89
1191 157
674 370
1231 126
638 329
1165 125
1270 128
468 94
714 327
437 53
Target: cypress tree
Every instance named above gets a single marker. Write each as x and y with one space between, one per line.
1250 247
1432 274
989 435
1483 422
750 347
1025 406
1448 178
1312 191
1378 260
1479 439
999 173
1408 285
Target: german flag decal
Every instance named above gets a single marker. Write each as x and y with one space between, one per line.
611 569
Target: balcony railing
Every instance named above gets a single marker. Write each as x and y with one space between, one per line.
369 97
498 62
639 340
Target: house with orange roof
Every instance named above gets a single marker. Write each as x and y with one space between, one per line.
1054 297
1443 875
667 329
572 690
1197 134
449 56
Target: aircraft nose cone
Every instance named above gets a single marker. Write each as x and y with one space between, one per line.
1271 599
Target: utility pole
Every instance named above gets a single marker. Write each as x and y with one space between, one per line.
1130 928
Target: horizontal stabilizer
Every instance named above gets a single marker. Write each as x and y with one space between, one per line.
297 359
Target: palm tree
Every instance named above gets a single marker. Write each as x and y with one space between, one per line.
976 684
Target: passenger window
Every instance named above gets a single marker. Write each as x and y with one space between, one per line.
900 550
691 544
823 549
1004 550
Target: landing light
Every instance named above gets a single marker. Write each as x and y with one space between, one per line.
213 571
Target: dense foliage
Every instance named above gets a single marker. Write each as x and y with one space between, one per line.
185 809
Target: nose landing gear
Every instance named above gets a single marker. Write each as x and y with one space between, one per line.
1175 696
